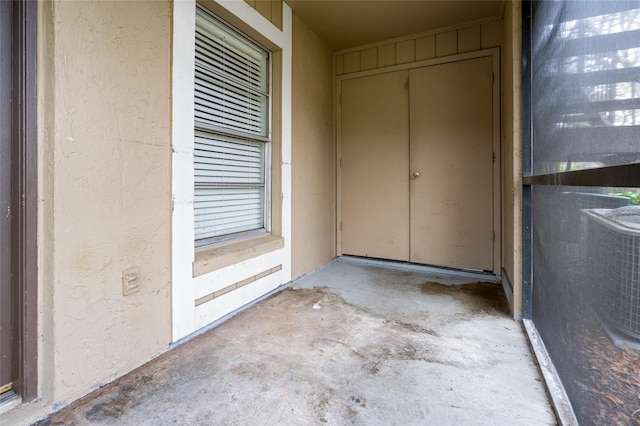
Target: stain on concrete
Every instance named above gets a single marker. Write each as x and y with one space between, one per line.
285 362
109 403
371 367
477 297
128 395
358 401
413 327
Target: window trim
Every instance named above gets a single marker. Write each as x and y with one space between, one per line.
186 288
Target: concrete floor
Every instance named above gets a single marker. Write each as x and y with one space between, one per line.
348 344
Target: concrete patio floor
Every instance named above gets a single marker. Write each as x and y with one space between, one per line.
351 343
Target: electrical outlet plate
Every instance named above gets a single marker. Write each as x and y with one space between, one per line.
130 281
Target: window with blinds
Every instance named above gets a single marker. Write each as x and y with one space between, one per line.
231 132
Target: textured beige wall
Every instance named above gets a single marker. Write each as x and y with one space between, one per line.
313 175
511 152
46 150
106 181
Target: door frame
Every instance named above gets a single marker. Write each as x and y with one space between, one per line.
494 54
23 135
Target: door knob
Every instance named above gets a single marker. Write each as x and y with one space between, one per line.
415 175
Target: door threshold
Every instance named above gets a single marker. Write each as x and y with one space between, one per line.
9 400
473 274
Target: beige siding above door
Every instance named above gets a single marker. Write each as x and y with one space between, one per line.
375 160
452 164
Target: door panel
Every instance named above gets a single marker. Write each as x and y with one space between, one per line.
6 328
375 160
451 211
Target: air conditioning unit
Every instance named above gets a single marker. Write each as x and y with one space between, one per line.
614 258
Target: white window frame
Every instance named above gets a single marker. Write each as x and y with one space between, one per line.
186 287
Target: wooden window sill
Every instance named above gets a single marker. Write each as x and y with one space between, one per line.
211 258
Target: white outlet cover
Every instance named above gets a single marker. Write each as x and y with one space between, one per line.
130 281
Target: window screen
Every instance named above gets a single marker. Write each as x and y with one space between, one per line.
231 132
581 204
586 84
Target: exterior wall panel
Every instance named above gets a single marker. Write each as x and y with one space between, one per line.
270 9
409 49
109 92
313 173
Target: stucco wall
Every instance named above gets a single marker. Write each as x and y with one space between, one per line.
313 175
106 82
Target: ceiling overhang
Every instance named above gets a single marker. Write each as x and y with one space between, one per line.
343 24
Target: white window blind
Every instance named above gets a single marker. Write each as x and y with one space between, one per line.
231 91
231 132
